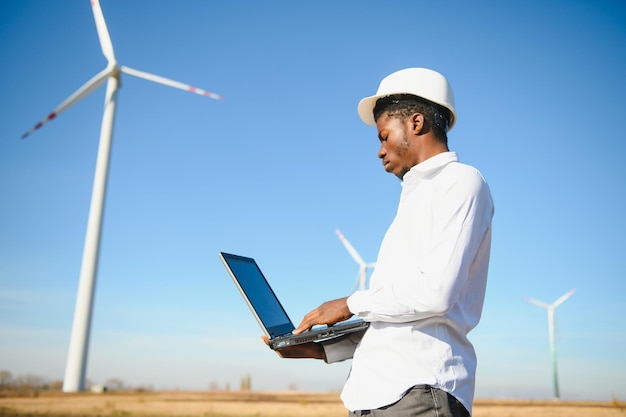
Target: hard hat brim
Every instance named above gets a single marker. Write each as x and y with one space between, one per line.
366 110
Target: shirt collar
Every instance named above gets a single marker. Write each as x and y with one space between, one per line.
429 167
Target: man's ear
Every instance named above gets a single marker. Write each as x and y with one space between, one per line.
417 123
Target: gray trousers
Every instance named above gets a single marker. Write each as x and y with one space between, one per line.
419 401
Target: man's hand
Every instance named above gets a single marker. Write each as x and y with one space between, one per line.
330 312
309 350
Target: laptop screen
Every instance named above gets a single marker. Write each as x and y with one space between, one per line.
259 294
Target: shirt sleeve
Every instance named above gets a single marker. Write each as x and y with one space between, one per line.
342 348
429 276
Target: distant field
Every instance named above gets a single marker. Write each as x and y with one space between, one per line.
259 404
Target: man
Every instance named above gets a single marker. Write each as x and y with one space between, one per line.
427 290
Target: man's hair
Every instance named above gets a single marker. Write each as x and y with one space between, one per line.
402 106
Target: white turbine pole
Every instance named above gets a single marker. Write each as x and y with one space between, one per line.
79 341
551 333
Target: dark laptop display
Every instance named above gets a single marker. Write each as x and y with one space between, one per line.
260 295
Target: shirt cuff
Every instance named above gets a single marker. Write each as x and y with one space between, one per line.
343 347
355 302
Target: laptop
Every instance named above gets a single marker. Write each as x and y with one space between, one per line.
270 313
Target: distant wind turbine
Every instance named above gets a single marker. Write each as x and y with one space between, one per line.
363 266
550 308
77 356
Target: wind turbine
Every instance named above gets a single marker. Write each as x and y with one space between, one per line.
363 266
77 356
551 308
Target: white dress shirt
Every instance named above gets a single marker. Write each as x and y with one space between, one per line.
426 292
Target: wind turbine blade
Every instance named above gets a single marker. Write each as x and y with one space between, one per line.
355 255
564 297
78 95
537 302
170 83
103 32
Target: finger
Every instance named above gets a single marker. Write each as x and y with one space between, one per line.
310 320
301 328
305 326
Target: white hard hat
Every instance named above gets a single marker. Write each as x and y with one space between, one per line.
420 82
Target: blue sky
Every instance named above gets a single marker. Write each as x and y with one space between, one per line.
271 172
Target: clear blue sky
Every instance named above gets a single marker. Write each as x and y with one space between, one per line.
271 172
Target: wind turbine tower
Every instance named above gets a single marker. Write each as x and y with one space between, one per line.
550 308
363 266
77 356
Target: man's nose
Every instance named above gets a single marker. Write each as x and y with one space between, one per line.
382 151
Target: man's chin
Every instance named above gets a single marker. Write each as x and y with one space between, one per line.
402 173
